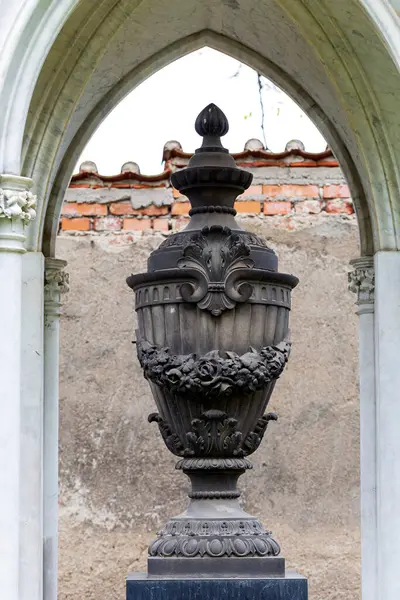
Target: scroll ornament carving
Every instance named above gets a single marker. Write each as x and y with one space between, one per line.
216 256
362 283
17 205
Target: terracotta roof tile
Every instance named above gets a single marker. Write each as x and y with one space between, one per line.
175 158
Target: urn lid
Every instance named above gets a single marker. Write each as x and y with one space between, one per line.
212 182
212 166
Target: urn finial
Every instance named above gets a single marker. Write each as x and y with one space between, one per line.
212 122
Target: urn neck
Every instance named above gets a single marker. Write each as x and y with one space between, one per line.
212 180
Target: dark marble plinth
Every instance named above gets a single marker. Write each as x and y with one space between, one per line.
291 587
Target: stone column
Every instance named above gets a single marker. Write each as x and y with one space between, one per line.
387 368
17 208
56 283
31 437
362 282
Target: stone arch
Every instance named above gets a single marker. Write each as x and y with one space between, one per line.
63 66
177 50
77 88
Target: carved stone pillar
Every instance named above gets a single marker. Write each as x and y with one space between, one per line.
362 282
56 283
387 390
17 208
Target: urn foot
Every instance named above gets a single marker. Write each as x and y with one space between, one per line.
215 537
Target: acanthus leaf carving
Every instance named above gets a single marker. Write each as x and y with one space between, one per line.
214 538
214 435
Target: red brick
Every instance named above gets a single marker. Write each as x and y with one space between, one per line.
121 208
88 210
176 193
125 208
290 191
339 207
160 224
253 190
308 207
180 208
147 186
336 191
78 224
277 208
107 224
153 211
248 206
180 223
137 224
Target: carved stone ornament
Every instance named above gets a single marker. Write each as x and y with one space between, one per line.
212 375
214 435
212 339
191 538
217 260
182 239
56 281
17 205
362 282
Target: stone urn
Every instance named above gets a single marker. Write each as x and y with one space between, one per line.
212 339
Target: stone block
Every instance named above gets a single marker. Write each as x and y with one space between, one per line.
291 587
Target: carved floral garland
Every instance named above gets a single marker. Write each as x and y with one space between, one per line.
212 375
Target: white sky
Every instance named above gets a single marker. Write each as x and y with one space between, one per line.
165 106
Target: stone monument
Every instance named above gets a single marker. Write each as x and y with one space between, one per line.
212 340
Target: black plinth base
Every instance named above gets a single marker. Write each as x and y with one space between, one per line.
216 567
140 586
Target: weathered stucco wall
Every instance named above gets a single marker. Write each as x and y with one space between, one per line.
118 482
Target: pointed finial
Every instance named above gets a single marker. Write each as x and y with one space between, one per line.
212 122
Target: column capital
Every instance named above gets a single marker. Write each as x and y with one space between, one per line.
16 199
362 282
17 209
56 282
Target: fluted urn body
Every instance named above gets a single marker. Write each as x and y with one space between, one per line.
212 339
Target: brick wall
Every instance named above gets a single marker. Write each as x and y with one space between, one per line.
286 187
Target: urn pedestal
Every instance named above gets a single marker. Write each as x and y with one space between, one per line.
212 339
289 587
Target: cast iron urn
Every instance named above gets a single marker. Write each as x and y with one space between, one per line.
212 340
